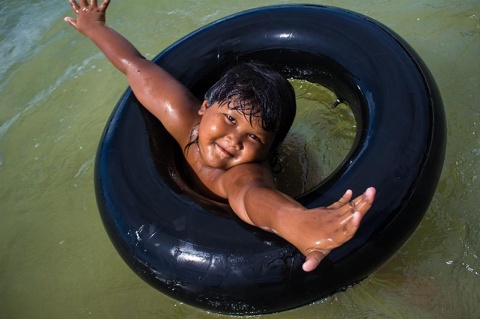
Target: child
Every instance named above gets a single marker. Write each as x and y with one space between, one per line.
227 139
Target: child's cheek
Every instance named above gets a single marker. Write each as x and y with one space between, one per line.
213 128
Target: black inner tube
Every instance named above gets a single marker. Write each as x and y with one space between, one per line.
192 250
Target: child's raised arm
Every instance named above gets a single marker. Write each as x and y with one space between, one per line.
251 193
165 97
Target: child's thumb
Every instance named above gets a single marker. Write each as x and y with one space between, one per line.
71 21
313 259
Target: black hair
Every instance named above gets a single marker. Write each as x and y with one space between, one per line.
257 91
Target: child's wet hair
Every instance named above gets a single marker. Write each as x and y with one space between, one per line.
257 91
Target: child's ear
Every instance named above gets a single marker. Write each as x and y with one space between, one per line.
203 107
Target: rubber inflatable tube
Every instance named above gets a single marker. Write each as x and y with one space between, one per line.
189 250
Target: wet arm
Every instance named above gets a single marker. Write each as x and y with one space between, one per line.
252 194
255 200
156 89
315 232
90 22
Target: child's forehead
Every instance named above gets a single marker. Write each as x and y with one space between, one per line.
246 108
241 104
252 116
247 111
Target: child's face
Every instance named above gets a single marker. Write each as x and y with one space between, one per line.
226 137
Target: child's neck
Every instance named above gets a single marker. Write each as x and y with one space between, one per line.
195 184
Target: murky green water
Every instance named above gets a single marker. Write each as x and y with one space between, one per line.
320 138
57 92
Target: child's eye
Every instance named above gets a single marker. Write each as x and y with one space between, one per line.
231 119
256 138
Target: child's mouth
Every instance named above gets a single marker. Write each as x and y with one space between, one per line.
224 151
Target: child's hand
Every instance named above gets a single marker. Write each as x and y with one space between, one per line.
88 15
322 229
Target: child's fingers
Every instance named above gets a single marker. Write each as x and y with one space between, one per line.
71 21
104 5
83 3
351 224
345 199
74 6
363 202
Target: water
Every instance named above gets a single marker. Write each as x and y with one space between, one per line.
57 93
320 138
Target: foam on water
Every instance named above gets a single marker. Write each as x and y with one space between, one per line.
22 25
70 72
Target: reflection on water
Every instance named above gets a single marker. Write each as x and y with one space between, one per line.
57 92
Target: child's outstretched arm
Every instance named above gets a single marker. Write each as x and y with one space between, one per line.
155 88
251 192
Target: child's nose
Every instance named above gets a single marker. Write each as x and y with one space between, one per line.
235 140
